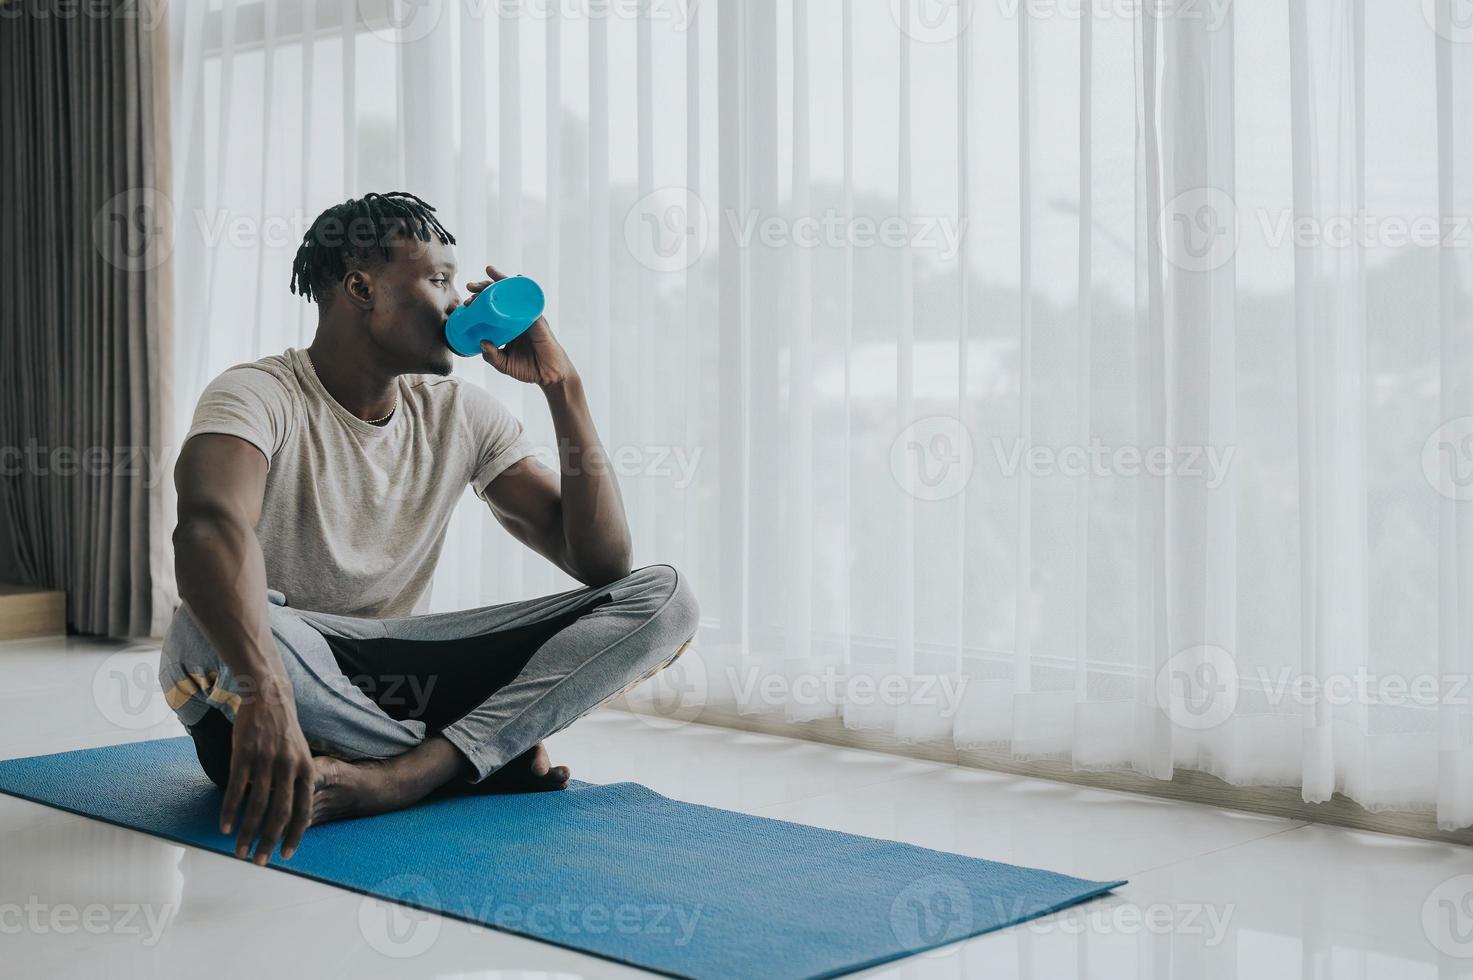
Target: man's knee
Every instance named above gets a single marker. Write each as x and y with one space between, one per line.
190 671
678 611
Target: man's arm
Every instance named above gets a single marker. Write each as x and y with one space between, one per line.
578 525
221 482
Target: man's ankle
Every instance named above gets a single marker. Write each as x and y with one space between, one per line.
427 767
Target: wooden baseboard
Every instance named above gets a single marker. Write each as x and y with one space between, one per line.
1190 786
27 612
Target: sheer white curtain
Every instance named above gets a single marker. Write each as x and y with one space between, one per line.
1088 379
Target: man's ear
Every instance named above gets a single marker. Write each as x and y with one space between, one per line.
358 287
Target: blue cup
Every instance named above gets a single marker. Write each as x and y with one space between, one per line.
499 313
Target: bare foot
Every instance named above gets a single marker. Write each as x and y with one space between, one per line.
342 790
530 772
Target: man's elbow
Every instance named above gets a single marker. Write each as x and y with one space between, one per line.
606 572
192 533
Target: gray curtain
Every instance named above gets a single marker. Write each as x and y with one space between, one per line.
84 313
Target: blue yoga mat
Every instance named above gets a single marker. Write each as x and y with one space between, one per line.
618 870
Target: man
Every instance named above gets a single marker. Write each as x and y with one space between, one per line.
329 475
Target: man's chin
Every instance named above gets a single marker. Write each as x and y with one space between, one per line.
439 363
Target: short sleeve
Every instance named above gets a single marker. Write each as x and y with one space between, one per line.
498 439
248 403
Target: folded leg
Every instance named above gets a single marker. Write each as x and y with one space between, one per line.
496 681
493 681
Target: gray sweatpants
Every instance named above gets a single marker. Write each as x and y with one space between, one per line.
600 642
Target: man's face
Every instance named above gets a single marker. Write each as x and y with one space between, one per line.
413 295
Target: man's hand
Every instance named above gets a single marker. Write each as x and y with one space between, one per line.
535 357
270 760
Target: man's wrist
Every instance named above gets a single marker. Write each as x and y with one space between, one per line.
569 383
268 687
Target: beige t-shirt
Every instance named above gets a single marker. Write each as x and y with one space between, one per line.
355 514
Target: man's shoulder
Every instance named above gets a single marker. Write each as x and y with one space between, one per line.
270 374
258 401
462 410
453 396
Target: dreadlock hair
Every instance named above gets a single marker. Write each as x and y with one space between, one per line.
355 233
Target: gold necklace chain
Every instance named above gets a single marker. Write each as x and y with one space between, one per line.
386 417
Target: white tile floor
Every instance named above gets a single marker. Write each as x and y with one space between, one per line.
1212 893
